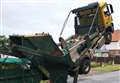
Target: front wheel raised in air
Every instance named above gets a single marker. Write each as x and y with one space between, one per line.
108 38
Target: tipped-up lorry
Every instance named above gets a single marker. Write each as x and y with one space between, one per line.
37 58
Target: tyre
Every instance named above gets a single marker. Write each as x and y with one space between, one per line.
85 66
108 38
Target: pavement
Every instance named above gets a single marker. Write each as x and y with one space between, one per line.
111 77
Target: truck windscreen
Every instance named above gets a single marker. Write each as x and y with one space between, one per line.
85 20
86 16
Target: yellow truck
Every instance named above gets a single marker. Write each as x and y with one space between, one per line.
38 59
94 16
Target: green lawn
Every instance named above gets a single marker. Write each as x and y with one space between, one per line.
108 67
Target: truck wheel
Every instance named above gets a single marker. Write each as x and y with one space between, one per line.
85 67
108 38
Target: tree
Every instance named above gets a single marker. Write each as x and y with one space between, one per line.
3 44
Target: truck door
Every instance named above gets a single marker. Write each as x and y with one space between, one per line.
107 11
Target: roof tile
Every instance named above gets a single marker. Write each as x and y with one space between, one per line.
116 35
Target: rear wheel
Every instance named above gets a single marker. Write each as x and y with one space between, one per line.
108 38
85 66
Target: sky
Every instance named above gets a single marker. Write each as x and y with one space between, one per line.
35 16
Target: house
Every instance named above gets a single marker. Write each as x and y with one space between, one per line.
101 53
113 49
114 46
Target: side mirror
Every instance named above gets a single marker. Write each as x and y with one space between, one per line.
110 8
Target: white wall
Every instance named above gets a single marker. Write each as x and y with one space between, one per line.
112 45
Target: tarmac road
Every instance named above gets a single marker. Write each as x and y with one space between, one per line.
111 77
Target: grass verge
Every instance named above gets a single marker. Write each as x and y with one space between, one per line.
106 68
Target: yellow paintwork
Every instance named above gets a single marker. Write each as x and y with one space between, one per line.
104 20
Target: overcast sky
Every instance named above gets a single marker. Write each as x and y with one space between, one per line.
29 16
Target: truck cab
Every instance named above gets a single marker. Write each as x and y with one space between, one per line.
94 17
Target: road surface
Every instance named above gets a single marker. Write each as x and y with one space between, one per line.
111 77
